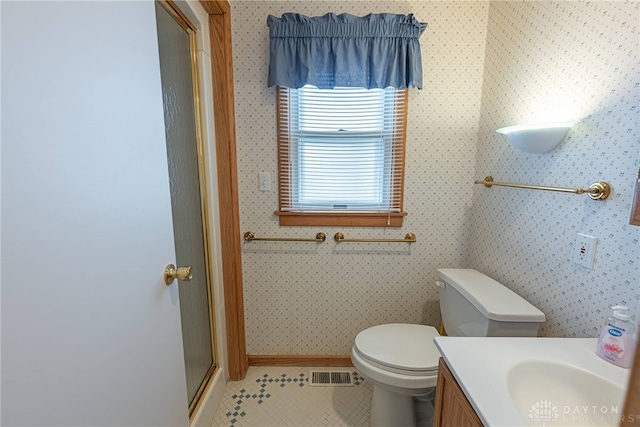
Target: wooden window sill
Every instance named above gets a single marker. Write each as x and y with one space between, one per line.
341 219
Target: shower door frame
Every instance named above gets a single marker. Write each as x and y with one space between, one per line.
174 10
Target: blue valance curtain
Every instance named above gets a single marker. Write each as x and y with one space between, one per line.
373 51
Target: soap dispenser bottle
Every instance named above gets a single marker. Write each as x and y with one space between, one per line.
616 342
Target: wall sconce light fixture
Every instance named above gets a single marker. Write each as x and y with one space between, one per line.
538 138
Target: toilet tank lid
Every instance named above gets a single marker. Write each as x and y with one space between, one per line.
494 300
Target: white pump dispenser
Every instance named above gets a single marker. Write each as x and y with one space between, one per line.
616 342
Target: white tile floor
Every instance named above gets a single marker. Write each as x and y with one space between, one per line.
281 396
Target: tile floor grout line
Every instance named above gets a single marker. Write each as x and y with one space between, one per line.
265 398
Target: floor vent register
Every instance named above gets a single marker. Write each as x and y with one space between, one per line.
330 378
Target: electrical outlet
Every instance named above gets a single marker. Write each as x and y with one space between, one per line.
584 250
264 181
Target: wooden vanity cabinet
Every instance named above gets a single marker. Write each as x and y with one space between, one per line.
452 409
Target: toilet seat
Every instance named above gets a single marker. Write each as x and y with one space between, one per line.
401 348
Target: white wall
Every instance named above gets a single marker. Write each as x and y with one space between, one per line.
303 298
550 61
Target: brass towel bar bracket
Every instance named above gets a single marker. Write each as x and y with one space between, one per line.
408 238
597 191
249 236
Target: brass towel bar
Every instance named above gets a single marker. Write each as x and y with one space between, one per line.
408 238
249 236
597 191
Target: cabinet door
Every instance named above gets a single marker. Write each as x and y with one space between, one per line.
452 407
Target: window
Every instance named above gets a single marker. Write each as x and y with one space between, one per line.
341 156
341 123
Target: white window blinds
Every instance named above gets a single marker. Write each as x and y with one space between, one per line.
342 149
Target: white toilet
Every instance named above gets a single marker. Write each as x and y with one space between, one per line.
401 360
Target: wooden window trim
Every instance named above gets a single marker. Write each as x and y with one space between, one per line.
346 219
393 219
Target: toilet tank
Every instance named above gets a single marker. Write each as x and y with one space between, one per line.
475 305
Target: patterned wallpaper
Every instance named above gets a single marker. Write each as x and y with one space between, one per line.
550 61
308 298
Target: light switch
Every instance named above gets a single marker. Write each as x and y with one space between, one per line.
264 181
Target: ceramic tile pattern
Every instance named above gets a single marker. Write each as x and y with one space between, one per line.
281 396
486 65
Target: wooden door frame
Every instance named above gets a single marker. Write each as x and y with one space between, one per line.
226 161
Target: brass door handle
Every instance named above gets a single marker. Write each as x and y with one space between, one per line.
172 273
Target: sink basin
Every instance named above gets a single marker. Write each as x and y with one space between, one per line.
536 381
563 395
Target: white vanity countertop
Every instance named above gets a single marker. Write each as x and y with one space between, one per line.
481 366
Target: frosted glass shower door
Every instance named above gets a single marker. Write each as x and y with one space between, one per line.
177 45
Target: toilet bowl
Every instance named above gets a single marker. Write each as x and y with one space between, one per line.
398 376
401 359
